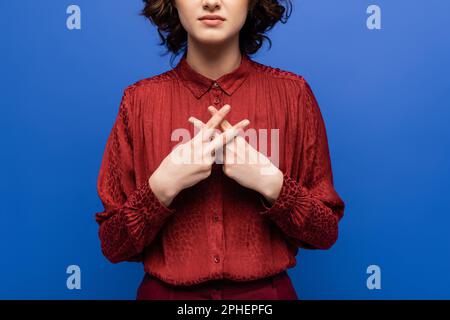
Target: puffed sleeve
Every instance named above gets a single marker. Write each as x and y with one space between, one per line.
132 214
308 207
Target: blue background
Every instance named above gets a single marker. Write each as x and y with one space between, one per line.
384 95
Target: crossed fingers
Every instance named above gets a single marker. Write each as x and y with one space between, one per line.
207 130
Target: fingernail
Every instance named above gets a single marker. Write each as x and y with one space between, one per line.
226 107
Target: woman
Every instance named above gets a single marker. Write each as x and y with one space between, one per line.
223 226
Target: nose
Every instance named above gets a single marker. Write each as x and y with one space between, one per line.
211 4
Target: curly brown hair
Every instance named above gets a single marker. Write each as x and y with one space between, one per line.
262 16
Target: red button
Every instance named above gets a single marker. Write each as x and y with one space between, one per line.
216 259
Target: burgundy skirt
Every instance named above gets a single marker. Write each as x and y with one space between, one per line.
277 287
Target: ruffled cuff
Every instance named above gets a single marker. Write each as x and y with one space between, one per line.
292 197
145 197
145 214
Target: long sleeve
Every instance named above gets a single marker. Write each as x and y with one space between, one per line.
308 207
132 214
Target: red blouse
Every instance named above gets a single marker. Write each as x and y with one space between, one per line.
216 228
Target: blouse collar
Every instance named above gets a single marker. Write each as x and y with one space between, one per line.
199 84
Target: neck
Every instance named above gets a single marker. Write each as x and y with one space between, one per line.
214 60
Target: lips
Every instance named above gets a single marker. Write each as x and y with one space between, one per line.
212 17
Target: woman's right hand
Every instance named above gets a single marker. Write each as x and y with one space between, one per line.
190 162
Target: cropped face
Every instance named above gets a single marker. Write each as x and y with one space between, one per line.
212 21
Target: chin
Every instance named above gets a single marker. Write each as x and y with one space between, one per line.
212 38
